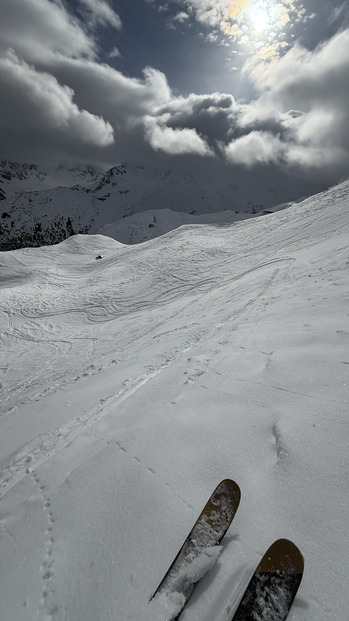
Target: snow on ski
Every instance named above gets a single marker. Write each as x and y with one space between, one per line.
200 549
274 584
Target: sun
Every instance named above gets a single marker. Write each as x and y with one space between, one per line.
261 16
260 20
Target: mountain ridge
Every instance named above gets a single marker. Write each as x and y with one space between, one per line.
43 206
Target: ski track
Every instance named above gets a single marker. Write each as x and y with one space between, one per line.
52 442
29 332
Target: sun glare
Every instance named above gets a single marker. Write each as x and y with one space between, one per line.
262 15
260 20
258 26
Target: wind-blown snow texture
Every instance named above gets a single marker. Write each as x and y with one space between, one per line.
130 386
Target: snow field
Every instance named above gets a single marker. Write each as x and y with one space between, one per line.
132 385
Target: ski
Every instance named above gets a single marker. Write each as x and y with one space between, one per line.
274 584
201 548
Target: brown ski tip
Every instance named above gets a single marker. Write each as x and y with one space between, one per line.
283 555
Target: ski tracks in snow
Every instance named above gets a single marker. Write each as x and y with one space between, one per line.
36 453
191 335
33 455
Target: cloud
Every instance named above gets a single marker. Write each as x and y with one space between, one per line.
210 116
317 158
298 121
39 29
52 86
255 148
35 102
304 79
258 14
208 12
339 12
102 13
181 17
132 104
316 84
107 92
175 141
114 53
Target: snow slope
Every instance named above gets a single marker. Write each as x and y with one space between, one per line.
131 385
152 223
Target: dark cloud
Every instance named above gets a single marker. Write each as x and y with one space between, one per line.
210 116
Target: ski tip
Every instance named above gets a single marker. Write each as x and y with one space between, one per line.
282 555
230 487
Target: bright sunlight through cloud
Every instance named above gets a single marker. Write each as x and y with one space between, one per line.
258 27
260 20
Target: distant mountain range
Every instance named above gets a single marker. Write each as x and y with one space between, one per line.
44 205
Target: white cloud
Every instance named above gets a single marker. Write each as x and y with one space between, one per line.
255 148
105 91
35 101
208 12
114 53
303 78
339 12
212 37
316 157
174 141
181 17
102 13
39 30
316 84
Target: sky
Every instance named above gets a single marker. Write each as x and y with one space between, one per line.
258 85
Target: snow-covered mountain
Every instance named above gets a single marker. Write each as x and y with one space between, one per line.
26 190
18 177
38 212
132 385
